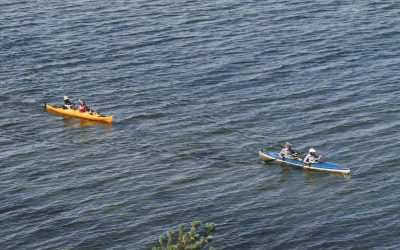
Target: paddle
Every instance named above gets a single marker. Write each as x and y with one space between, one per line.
331 152
92 111
320 158
73 105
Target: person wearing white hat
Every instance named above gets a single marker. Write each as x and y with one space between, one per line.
312 157
288 153
67 103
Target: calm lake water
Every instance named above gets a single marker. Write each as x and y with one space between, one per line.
196 88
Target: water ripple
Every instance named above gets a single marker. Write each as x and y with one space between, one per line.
196 89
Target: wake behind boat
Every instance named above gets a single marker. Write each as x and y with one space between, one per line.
322 166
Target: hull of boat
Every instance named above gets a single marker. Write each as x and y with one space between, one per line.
78 114
323 166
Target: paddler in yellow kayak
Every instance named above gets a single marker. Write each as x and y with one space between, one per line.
67 103
84 108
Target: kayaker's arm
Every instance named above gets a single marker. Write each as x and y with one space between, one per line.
320 158
282 154
307 160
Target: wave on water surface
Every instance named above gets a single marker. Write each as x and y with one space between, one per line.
195 89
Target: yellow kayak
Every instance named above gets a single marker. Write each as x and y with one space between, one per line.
76 113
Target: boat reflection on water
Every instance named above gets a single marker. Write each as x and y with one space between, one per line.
72 122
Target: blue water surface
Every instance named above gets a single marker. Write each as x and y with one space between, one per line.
196 88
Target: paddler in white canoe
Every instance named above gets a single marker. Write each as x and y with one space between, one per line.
312 157
289 153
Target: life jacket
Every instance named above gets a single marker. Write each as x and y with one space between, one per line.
311 159
83 108
67 104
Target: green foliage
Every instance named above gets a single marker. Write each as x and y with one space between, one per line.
195 238
196 224
210 227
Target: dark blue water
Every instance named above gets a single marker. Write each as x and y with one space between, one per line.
196 88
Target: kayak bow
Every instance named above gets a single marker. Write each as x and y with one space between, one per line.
78 114
323 166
